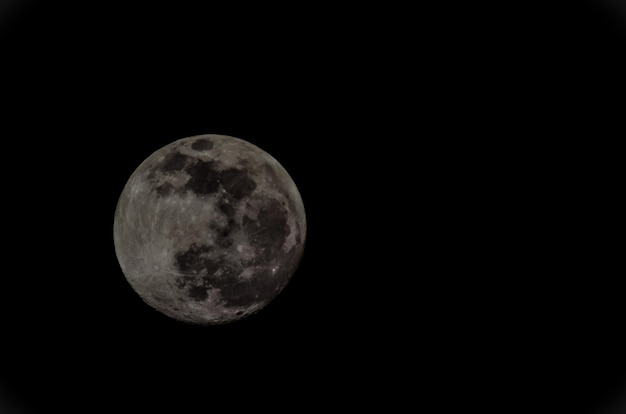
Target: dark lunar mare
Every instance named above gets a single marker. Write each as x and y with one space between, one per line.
223 273
262 287
226 206
237 183
191 261
273 179
268 231
174 162
204 178
202 144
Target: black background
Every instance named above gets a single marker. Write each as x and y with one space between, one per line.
459 170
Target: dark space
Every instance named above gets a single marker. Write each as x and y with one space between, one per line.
460 171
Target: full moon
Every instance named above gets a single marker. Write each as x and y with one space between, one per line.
209 229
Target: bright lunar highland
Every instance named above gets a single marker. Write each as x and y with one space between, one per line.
209 229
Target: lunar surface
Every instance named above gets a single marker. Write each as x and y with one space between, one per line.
209 229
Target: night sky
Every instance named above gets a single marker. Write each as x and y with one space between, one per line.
458 165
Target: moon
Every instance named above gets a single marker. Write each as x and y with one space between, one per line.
209 229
